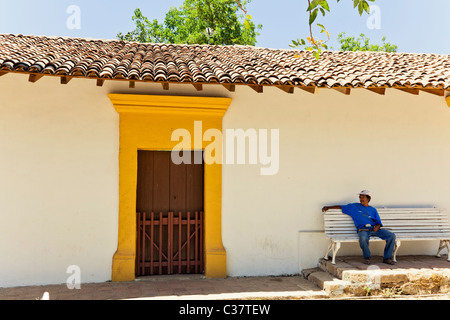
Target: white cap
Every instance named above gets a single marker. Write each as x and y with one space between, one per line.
365 192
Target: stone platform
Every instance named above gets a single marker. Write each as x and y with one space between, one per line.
411 275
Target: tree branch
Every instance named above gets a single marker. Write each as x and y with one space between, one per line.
240 6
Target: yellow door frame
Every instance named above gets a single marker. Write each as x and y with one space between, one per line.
147 123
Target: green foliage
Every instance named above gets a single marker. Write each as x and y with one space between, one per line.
188 24
314 7
362 43
145 31
362 5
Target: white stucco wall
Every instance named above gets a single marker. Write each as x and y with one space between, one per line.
59 173
59 187
58 181
331 147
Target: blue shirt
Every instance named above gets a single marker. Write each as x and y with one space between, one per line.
362 215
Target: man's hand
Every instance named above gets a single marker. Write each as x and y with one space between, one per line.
376 227
326 208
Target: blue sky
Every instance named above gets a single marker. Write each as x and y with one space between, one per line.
414 25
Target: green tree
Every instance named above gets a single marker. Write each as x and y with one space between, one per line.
362 43
199 22
321 6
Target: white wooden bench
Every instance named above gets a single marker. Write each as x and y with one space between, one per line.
406 223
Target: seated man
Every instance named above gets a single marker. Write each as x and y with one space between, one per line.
368 223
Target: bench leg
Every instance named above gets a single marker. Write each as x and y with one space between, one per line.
336 247
330 247
333 247
442 245
397 245
448 250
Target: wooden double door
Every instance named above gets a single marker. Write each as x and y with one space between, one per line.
170 215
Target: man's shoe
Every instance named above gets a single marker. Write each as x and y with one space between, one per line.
389 261
367 261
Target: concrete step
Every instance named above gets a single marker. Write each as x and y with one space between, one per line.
326 282
335 269
364 275
351 276
354 283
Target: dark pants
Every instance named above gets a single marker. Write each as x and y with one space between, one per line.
384 234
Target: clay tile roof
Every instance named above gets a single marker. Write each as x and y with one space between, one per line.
114 59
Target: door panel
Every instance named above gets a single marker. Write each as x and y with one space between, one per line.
169 215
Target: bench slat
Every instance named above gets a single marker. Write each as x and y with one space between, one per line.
355 239
398 236
412 221
404 230
393 216
404 222
413 227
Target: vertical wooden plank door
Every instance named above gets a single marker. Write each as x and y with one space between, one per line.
169 215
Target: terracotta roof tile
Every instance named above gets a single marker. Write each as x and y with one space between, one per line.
114 59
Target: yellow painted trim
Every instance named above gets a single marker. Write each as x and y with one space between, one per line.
147 123
177 104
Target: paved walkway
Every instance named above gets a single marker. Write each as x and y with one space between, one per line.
175 287
197 287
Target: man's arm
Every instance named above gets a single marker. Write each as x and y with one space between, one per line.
326 208
377 221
